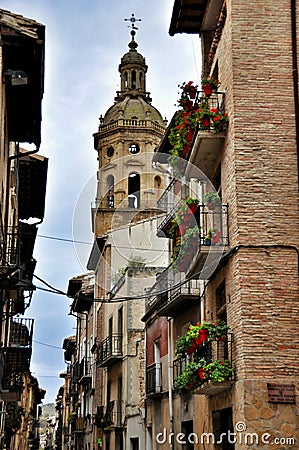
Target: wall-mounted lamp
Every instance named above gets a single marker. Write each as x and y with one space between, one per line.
15 77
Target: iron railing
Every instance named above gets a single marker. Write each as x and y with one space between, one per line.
110 348
167 296
20 333
85 367
111 416
154 379
9 247
210 351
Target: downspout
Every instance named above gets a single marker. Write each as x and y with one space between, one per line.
170 384
295 76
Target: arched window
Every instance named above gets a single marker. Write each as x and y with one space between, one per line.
133 79
134 190
157 182
126 79
140 80
157 187
110 190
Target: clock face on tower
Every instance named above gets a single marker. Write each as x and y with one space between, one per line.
134 149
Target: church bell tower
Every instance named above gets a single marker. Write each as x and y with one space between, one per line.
128 186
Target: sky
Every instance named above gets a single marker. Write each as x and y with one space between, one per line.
85 40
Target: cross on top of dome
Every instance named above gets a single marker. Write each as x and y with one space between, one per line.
133 19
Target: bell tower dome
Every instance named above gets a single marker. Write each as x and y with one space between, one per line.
128 134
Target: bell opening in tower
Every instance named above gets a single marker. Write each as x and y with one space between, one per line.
134 190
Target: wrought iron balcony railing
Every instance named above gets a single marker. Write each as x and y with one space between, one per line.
85 370
178 295
154 379
210 351
110 350
20 333
76 372
111 416
9 248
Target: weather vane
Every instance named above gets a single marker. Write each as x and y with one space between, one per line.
133 20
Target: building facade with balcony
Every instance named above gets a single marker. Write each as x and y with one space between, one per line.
119 351
75 401
23 176
248 268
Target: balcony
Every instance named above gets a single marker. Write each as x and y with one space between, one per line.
154 379
20 334
199 256
85 371
110 350
76 372
78 425
211 351
174 301
111 417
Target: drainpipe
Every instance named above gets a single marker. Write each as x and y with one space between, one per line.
170 383
295 75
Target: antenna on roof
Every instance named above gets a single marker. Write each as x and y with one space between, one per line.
133 19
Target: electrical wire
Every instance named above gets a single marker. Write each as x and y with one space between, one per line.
90 243
47 345
54 238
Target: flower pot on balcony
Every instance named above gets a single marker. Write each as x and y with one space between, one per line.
207 89
198 342
203 335
201 373
207 241
205 122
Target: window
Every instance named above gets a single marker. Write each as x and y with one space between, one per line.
110 189
133 79
134 443
221 302
110 152
134 190
134 149
222 423
187 430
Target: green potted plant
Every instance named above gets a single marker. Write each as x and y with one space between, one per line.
219 370
209 85
182 345
219 330
212 200
189 379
